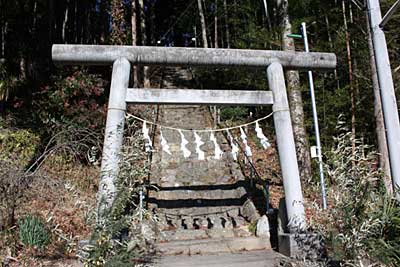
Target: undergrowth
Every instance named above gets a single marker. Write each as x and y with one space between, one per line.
125 238
33 232
362 222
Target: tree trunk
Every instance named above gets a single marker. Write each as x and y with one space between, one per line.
351 85
34 22
88 19
203 24
228 41
22 67
3 32
216 25
384 161
65 21
134 40
118 34
267 15
142 18
76 23
51 20
215 108
152 23
295 99
328 29
3 45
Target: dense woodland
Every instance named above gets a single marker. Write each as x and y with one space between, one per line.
29 28
44 100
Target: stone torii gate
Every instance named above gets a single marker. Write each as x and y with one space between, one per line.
123 56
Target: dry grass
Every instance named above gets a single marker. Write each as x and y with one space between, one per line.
63 193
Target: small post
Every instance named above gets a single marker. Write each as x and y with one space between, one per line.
286 148
113 137
195 36
315 117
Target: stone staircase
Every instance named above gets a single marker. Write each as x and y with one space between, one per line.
202 206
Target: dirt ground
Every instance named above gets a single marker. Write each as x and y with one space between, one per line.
63 195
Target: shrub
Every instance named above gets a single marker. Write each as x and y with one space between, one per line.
19 145
33 232
363 222
13 184
234 113
77 99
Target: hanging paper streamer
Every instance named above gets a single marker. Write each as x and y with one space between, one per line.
164 144
146 137
184 142
235 148
261 136
199 143
217 150
247 149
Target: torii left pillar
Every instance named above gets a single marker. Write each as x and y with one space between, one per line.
113 137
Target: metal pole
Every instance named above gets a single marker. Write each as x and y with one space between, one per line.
389 104
113 137
389 14
286 148
315 117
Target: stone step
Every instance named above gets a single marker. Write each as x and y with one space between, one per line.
262 258
213 246
185 194
201 234
195 221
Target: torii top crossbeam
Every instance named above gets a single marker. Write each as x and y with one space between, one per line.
182 56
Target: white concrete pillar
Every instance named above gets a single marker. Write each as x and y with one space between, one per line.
113 137
286 149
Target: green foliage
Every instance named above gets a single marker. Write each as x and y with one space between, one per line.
19 145
364 221
77 99
33 232
253 227
234 113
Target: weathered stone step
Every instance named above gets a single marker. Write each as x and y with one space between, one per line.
263 258
232 210
204 217
212 246
198 194
201 234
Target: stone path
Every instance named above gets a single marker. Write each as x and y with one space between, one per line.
248 259
202 205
